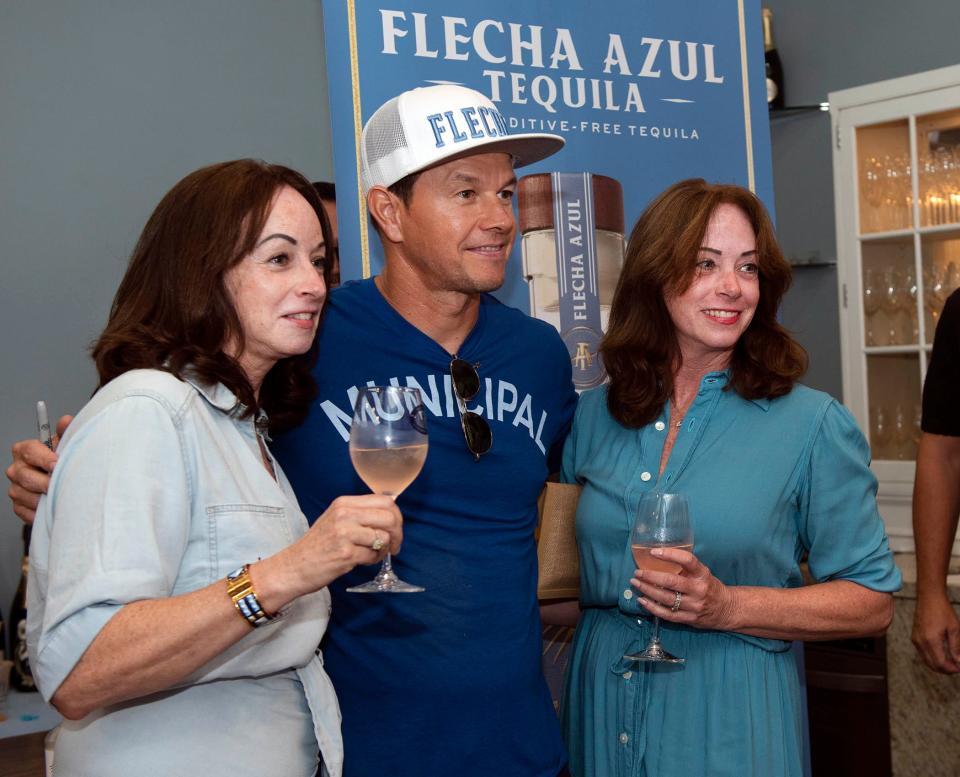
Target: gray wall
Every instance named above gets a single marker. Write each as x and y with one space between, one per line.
104 105
826 45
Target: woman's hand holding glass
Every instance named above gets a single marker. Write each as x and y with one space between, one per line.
704 602
353 531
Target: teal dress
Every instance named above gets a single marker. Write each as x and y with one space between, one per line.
766 481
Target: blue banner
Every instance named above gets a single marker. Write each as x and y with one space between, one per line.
645 92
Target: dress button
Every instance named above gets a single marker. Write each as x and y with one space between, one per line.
627 675
644 476
624 738
659 426
628 594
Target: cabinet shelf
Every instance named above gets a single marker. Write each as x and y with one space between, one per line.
910 349
941 229
797 110
895 235
892 235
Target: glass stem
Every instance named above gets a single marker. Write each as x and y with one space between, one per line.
655 639
386 566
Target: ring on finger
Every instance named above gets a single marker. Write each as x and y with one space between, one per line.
378 542
676 602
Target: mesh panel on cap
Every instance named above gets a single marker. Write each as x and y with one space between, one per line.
383 135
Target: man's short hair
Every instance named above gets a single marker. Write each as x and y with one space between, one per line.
404 188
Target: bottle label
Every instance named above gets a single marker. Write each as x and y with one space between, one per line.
579 291
771 90
22 676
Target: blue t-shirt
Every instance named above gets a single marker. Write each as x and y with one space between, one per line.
447 681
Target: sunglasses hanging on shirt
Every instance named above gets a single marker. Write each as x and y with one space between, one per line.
466 385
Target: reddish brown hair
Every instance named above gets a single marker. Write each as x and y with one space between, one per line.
172 310
640 350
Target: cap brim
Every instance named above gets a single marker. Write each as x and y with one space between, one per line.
525 150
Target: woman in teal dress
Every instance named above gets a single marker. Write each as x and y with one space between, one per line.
703 401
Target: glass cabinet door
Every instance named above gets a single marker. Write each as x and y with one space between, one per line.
896 161
908 206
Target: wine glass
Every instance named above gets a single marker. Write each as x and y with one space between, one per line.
934 297
871 303
879 431
663 521
388 445
951 278
902 432
873 192
897 189
892 303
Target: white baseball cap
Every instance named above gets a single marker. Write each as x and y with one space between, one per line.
431 124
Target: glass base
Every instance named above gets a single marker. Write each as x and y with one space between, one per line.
386 582
654 652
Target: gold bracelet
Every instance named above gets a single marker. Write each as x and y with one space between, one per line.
240 590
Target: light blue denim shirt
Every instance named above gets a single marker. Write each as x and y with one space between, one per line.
160 490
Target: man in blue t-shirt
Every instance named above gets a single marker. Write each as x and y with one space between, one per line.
447 681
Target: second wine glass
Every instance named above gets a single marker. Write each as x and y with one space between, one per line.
388 445
662 521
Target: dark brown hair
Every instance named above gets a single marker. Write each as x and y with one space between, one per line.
172 310
640 350
327 190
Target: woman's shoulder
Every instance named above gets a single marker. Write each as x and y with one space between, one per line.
159 384
592 407
824 417
158 387
804 400
139 404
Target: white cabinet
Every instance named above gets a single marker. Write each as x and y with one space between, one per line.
896 169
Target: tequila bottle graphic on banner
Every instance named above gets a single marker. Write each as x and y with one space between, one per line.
572 244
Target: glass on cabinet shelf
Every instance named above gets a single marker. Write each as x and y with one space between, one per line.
940 253
890 289
884 176
938 165
894 394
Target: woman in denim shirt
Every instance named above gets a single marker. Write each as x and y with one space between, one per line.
170 543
